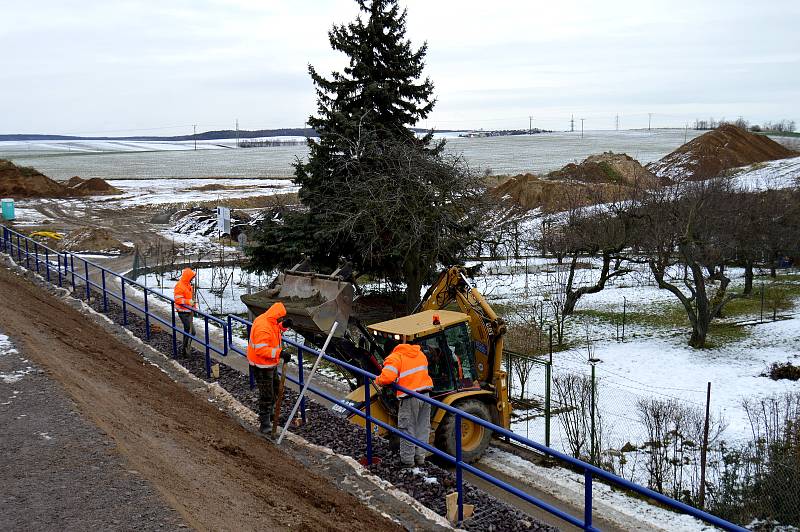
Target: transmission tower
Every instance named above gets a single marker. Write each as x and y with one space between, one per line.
572 124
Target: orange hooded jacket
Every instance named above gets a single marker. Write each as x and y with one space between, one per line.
264 349
408 366
183 292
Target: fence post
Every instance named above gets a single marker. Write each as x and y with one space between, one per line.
88 284
72 269
27 256
624 315
60 280
146 316
762 301
105 292
208 351
704 451
587 502
548 375
124 303
368 419
593 443
174 334
36 254
47 263
459 479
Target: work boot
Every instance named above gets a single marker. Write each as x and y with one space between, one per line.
419 460
265 428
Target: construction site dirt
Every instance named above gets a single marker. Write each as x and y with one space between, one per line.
203 463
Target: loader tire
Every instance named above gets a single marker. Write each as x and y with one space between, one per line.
474 438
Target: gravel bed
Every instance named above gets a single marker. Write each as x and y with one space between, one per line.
428 484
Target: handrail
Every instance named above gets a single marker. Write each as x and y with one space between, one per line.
590 471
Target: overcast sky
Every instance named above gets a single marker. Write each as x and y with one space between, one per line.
146 67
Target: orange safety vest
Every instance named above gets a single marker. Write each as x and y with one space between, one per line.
264 349
183 291
408 366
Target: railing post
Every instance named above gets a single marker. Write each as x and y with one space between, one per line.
459 479
36 254
174 334
27 256
60 280
124 303
47 263
19 254
208 351
72 269
88 284
252 375
587 502
105 292
302 381
368 418
146 316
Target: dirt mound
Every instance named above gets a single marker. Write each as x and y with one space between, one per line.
94 240
23 182
608 167
94 187
528 191
714 152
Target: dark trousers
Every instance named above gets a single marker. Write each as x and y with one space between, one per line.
267 382
187 318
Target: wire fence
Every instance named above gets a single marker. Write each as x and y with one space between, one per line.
666 437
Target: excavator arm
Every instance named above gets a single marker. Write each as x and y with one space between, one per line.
486 328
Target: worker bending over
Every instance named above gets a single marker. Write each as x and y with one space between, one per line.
263 354
408 367
184 304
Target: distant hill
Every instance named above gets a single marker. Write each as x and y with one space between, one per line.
207 135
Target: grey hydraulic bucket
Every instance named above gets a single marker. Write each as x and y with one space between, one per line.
312 301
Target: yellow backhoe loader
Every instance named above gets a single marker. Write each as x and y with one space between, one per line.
464 347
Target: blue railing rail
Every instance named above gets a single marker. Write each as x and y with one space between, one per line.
590 472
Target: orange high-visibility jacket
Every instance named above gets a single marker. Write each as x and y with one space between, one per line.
408 366
264 349
183 292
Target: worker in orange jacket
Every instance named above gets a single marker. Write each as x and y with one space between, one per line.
263 353
185 305
407 366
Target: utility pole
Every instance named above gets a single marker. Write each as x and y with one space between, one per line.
572 124
530 125
649 120
582 119
686 133
195 136
616 125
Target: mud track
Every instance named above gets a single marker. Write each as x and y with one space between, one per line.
215 473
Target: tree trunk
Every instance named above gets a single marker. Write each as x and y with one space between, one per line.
699 333
413 278
748 278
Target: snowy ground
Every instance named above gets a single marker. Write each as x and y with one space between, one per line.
162 191
783 173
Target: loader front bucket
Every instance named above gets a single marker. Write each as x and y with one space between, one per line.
313 302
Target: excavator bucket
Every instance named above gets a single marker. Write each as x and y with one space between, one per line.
313 301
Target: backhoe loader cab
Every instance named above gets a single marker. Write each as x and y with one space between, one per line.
444 338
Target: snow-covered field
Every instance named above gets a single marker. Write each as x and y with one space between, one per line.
783 173
162 191
145 160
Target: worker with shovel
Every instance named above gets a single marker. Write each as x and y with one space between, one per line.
184 304
263 353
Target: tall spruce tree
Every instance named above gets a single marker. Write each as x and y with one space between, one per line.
364 116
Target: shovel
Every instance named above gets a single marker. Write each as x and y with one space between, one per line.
279 400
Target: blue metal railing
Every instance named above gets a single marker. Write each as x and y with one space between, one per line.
65 266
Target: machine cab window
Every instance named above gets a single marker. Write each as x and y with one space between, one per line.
450 359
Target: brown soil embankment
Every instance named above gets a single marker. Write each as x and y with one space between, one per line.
218 475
